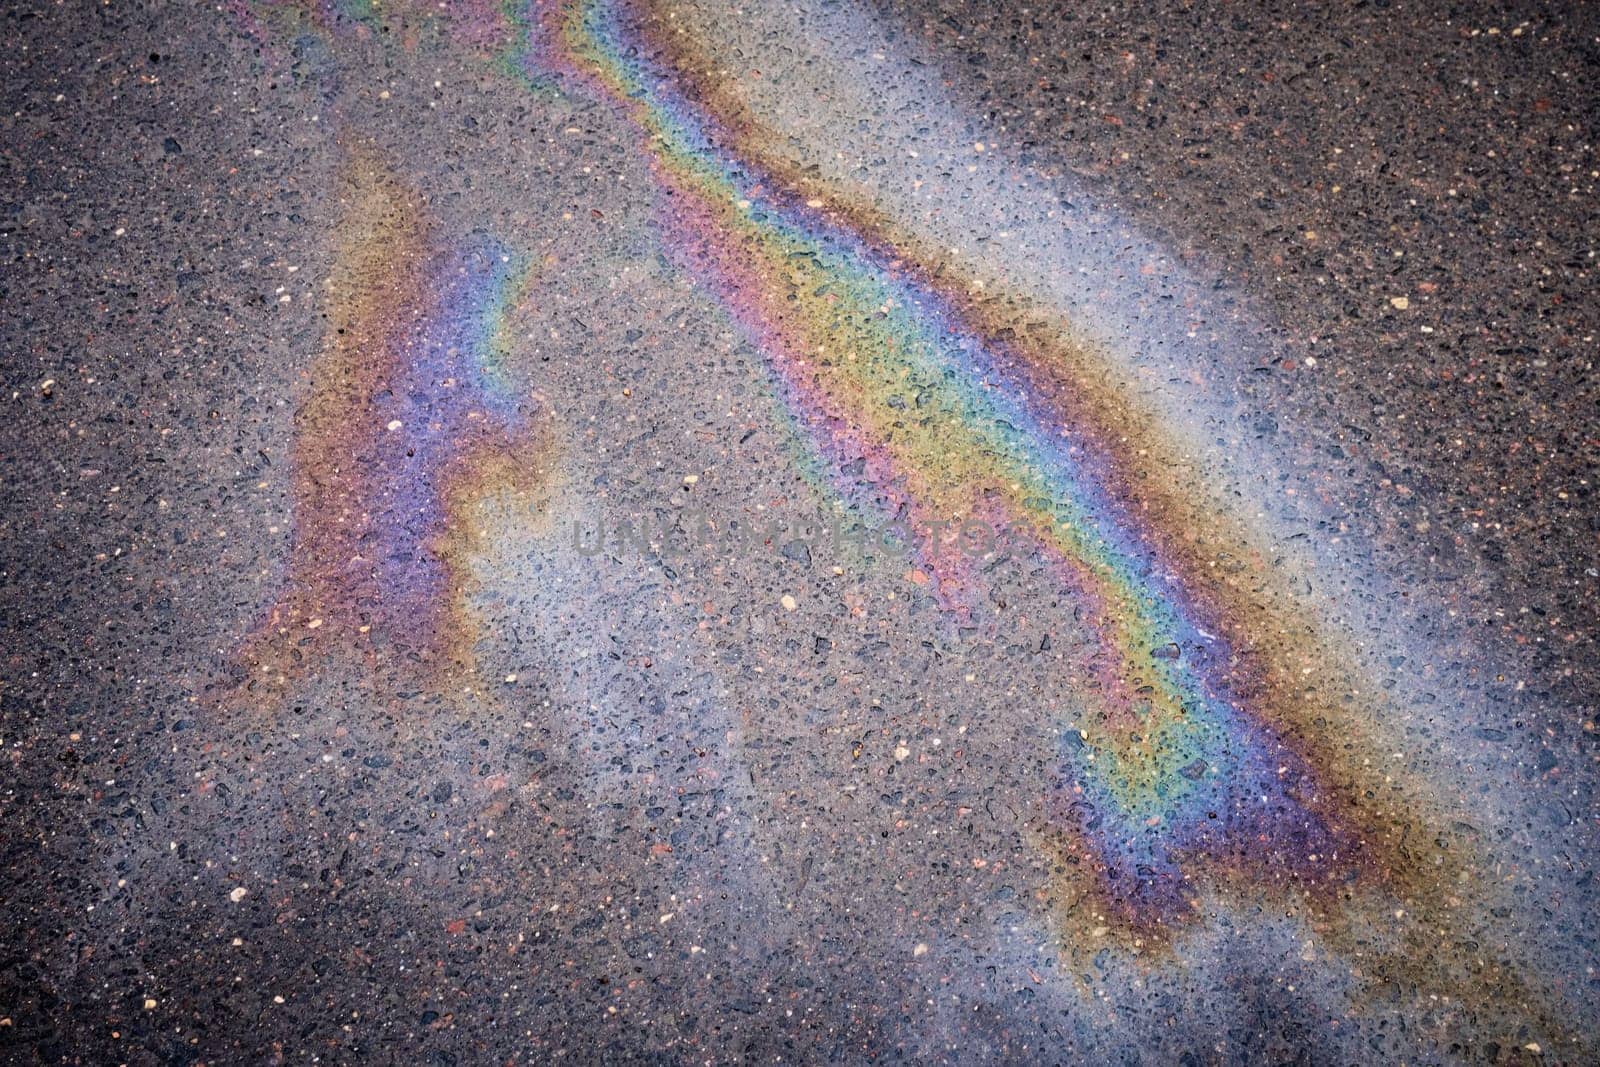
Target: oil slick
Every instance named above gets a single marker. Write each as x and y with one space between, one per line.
1216 748
412 442
1219 752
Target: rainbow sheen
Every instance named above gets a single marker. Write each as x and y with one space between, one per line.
413 417
921 415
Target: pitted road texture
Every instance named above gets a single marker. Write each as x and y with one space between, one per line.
608 531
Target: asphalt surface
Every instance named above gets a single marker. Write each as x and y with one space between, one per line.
817 532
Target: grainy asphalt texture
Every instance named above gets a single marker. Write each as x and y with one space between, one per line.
331 331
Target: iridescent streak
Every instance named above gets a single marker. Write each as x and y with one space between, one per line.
945 423
411 420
